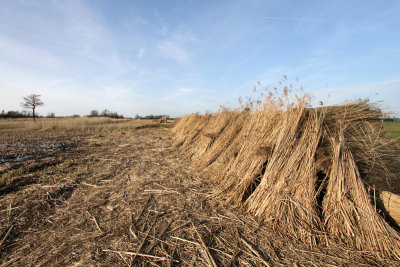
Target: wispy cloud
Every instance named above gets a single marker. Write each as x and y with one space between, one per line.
87 34
386 91
17 52
381 87
293 19
172 50
81 26
186 89
140 53
160 57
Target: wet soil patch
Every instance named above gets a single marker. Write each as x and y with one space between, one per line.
39 150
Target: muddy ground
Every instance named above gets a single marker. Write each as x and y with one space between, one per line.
127 197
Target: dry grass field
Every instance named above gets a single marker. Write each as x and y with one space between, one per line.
104 192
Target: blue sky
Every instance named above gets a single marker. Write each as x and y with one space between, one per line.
178 57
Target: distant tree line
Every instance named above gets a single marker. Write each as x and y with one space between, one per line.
93 113
394 119
14 114
105 113
152 117
33 101
23 114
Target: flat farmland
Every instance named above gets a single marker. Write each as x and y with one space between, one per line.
101 192
393 131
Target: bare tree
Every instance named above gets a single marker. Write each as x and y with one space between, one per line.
32 102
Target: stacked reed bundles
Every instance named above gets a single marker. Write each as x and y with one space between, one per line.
310 173
188 128
210 132
363 134
349 215
224 142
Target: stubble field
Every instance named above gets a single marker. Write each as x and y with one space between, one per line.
101 192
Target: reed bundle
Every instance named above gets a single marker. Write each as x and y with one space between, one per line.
312 173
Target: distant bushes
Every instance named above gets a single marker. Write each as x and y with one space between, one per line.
51 115
22 114
152 117
105 113
15 114
393 119
92 114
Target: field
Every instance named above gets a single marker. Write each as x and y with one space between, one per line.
393 131
104 192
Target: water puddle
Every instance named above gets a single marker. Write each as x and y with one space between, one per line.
19 158
42 150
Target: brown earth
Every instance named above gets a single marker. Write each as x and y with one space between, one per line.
127 197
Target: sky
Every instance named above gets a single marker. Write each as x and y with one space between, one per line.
184 56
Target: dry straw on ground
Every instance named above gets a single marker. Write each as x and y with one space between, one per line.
120 194
311 173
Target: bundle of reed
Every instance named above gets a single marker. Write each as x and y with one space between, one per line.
210 133
223 148
188 128
348 213
309 173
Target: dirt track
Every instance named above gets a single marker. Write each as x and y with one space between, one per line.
128 197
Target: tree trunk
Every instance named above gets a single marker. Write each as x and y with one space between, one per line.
33 113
